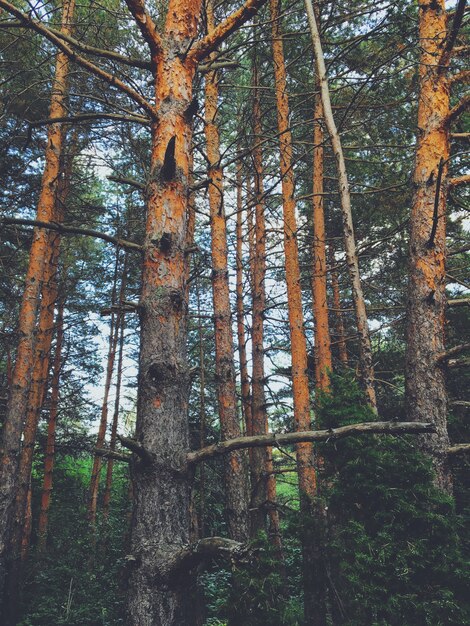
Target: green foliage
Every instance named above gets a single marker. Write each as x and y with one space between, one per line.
79 580
259 592
394 549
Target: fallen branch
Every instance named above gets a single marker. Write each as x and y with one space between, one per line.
275 440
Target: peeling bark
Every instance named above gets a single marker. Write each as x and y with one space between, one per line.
425 379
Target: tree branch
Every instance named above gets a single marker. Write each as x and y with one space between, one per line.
146 26
137 448
66 49
211 41
452 36
83 47
272 439
127 181
459 302
459 448
72 230
457 110
461 180
112 454
455 351
85 117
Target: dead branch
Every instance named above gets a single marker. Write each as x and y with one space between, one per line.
273 439
452 352
72 230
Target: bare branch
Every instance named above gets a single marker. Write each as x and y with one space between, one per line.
461 180
452 36
220 33
112 454
85 63
72 230
83 47
273 439
146 26
452 352
127 181
86 117
459 448
457 110
137 448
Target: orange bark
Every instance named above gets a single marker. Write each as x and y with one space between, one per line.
307 476
425 381
42 351
323 361
365 348
51 429
235 470
18 402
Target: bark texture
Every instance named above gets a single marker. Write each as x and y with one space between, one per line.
235 467
46 493
19 390
425 378
365 349
260 460
312 578
323 360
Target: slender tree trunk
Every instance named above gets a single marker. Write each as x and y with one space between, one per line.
51 427
323 360
365 349
19 391
244 378
425 380
235 466
97 461
313 581
42 351
338 316
259 459
202 418
112 440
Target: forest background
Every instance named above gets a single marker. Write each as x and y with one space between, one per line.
381 537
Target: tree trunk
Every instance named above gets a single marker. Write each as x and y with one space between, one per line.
112 346
236 505
19 391
160 521
338 316
112 440
42 351
313 596
259 459
365 349
51 427
322 347
244 378
425 380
